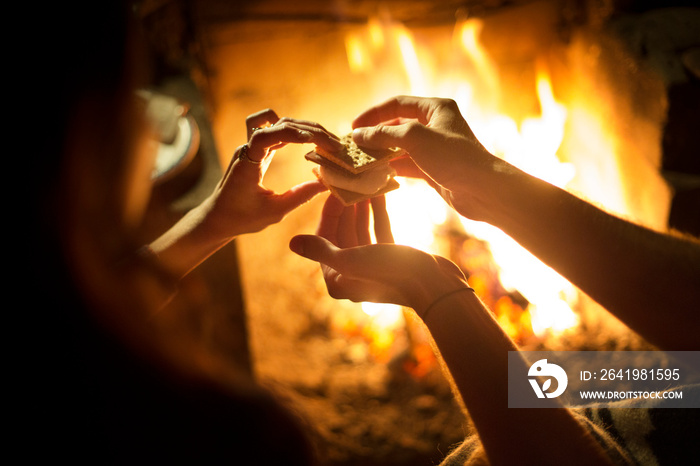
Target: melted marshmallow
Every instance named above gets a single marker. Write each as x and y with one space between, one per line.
367 182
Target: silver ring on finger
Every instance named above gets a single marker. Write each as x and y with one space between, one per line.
243 155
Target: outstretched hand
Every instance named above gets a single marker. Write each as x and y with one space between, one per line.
355 269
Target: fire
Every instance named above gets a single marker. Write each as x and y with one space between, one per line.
390 52
411 62
532 148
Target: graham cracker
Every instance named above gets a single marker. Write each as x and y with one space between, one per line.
353 158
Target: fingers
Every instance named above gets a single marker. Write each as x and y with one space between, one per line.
268 132
233 160
351 262
288 131
272 132
424 110
298 195
321 136
384 263
273 137
347 228
361 290
321 250
382 225
315 248
350 273
396 107
362 235
330 218
259 119
406 122
410 136
311 124
405 166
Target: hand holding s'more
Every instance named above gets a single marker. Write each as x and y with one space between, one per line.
353 174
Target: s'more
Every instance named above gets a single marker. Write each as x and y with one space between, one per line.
353 174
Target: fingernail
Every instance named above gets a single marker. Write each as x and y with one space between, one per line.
296 244
358 134
306 135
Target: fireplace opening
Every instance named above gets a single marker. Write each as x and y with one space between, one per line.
583 94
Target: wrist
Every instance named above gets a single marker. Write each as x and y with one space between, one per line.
190 241
430 287
494 189
214 224
440 299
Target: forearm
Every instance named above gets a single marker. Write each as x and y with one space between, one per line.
649 280
475 350
189 242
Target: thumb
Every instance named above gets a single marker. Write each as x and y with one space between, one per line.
313 247
405 136
299 195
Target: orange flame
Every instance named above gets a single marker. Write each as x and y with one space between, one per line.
531 145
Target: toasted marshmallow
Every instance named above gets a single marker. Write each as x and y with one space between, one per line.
367 182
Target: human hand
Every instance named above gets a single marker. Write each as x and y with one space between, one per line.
443 149
357 270
241 203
